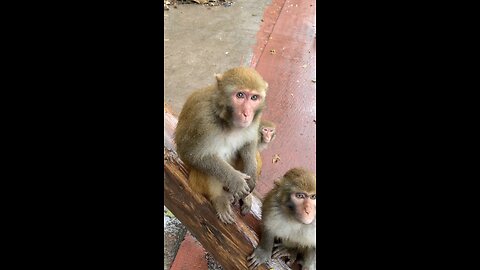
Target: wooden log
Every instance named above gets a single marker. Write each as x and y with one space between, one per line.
229 244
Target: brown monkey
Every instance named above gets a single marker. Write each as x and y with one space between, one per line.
267 134
218 125
289 215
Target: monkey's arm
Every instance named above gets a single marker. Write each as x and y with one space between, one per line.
234 180
248 154
263 251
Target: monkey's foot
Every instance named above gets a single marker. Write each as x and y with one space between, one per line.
223 208
226 217
246 204
258 257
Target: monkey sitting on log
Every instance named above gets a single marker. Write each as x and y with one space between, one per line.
289 215
218 126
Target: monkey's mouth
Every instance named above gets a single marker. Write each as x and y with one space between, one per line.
243 123
307 219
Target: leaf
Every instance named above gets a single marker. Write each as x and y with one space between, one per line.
276 158
169 214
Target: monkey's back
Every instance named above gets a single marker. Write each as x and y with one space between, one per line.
194 121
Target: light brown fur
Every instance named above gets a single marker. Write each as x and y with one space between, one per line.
280 221
211 143
262 144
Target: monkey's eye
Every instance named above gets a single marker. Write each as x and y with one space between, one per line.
265 129
313 197
300 195
240 95
254 97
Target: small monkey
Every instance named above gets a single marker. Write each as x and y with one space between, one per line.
289 215
267 134
217 127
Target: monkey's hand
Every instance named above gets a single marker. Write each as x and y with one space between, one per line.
252 182
238 185
258 257
280 251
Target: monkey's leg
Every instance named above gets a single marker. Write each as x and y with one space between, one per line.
221 201
198 182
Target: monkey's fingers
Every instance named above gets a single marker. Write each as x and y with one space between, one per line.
242 192
244 176
280 254
226 218
253 262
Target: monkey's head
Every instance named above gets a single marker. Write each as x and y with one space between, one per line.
297 190
242 96
267 131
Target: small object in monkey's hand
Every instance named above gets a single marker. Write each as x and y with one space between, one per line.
276 158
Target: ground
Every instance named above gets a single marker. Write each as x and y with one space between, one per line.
200 41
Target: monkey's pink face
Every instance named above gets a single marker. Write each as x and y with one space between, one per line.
267 134
306 206
245 103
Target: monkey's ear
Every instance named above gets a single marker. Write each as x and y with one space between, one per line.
218 77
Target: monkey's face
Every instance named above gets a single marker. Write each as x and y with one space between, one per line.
268 134
245 104
305 206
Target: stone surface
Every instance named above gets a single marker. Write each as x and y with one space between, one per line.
173 233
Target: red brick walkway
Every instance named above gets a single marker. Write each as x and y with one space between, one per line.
285 55
288 64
